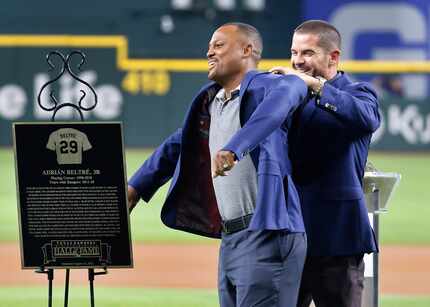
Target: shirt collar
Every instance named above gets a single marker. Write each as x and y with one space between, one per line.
221 95
336 77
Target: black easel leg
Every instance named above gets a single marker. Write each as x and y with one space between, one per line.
66 288
91 279
50 278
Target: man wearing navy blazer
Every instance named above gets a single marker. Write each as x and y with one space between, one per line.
329 143
231 175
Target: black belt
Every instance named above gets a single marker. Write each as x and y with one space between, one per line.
236 224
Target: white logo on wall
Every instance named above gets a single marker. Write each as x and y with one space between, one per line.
410 123
69 144
14 100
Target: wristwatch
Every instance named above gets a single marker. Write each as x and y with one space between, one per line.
318 90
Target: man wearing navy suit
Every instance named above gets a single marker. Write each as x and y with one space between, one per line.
329 143
231 175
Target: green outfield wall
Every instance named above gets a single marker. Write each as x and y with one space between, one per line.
146 61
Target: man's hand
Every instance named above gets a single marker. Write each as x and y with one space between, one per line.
223 161
310 81
132 197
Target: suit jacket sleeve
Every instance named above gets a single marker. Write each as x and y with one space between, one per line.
283 96
158 168
355 106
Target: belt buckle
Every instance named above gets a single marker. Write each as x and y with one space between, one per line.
223 226
243 220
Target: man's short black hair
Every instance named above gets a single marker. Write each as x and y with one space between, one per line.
253 35
329 36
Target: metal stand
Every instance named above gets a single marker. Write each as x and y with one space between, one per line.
376 255
370 296
378 187
50 274
91 275
55 107
66 67
66 288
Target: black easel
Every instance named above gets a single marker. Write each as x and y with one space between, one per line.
55 107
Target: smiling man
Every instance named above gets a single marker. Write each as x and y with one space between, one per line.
329 141
231 176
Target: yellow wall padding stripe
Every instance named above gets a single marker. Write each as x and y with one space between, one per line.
120 43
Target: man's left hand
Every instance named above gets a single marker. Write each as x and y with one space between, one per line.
223 162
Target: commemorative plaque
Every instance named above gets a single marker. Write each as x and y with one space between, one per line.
72 198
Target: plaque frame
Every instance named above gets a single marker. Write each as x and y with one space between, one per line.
58 184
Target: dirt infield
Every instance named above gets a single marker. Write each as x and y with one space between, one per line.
404 270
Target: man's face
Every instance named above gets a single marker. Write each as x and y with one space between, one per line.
308 57
225 54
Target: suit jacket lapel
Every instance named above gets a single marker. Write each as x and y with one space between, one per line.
245 111
246 80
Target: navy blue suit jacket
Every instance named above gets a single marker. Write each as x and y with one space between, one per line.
267 103
329 144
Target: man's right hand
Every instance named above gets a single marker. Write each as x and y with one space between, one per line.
310 81
223 161
132 198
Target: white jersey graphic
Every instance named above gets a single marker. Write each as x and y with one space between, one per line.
69 144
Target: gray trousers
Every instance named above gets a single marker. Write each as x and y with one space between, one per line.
260 268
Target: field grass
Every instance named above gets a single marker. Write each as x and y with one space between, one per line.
405 223
109 297
136 297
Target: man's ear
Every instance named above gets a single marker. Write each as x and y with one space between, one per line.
247 50
334 57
